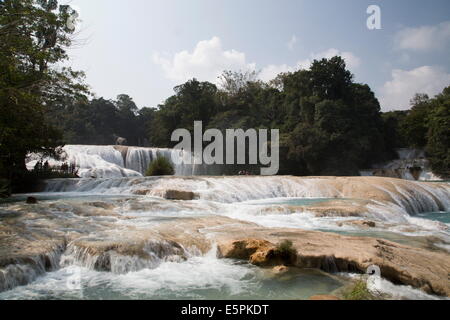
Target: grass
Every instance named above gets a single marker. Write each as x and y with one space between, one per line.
359 291
160 167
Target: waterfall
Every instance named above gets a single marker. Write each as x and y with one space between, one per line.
138 159
410 165
22 271
153 253
115 161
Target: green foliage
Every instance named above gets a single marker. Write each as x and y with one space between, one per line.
393 135
426 125
98 121
193 101
28 181
438 146
328 123
286 251
415 126
160 167
359 291
33 40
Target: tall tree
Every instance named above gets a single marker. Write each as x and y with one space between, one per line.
438 145
415 126
33 39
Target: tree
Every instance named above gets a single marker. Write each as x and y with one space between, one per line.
393 136
33 39
438 146
328 123
332 125
415 127
330 79
193 101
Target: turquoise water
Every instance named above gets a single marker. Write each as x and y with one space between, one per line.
292 201
203 277
66 196
196 279
443 217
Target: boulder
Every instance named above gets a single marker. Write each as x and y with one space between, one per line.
359 223
335 253
32 200
258 252
179 195
365 223
280 269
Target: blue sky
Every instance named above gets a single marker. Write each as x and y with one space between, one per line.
145 48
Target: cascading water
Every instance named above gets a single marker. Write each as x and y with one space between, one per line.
408 197
410 165
156 253
115 161
127 240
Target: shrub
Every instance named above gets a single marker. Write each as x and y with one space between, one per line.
286 251
160 167
359 291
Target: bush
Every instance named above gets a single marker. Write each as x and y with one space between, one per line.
160 167
286 251
359 292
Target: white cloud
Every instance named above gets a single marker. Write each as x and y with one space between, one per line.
351 60
271 71
396 93
292 42
206 62
424 38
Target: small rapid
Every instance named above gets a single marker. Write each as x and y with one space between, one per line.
409 197
197 278
127 241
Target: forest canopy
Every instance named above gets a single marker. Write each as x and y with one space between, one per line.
329 124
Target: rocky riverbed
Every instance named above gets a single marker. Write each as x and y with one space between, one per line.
127 226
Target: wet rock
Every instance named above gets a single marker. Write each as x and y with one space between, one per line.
337 208
244 249
122 256
99 204
32 200
323 297
141 192
114 246
280 269
365 223
22 261
258 252
335 253
359 223
179 195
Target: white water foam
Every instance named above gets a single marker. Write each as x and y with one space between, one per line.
115 162
200 277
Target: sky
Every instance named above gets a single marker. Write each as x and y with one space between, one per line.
145 48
